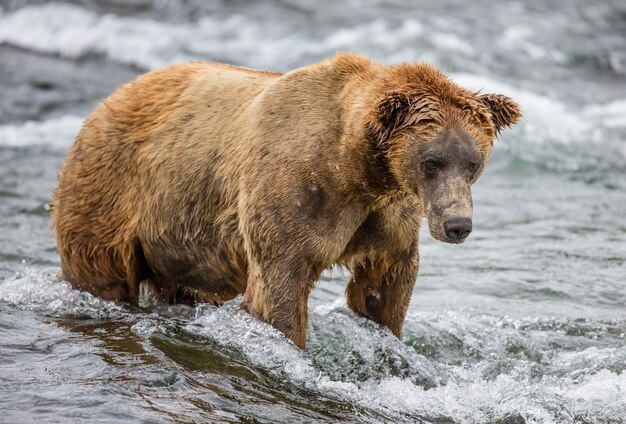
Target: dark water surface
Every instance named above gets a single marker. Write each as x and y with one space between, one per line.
525 322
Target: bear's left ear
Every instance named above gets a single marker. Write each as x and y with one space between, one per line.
504 111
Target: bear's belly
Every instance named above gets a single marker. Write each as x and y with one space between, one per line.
211 270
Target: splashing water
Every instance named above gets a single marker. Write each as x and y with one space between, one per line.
459 365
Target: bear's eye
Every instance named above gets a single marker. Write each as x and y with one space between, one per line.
473 168
431 167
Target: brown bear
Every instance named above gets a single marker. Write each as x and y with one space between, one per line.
201 181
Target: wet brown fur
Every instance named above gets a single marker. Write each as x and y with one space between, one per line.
206 180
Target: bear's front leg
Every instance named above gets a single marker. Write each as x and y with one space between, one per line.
279 297
381 290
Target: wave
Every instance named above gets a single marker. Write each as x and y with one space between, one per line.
74 32
38 290
544 118
552 133
57 133
299 32
511 368
611 115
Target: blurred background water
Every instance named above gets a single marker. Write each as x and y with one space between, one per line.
525 322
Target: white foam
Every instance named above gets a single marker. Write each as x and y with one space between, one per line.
544 118
519 38
592 360
612 114
514 35
605 387
577 382
57 133
268 349
378 33
467 397
72 31
452 43
36 290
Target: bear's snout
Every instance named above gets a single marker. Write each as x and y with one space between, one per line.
458 228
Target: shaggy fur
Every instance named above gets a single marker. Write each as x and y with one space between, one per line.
201 181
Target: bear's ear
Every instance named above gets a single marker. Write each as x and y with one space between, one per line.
388 114
504 111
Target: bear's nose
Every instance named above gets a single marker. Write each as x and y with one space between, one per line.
458 228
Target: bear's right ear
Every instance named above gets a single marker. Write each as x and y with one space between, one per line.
388 113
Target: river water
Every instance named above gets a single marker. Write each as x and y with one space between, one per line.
525 322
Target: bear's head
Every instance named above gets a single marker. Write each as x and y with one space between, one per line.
436 138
